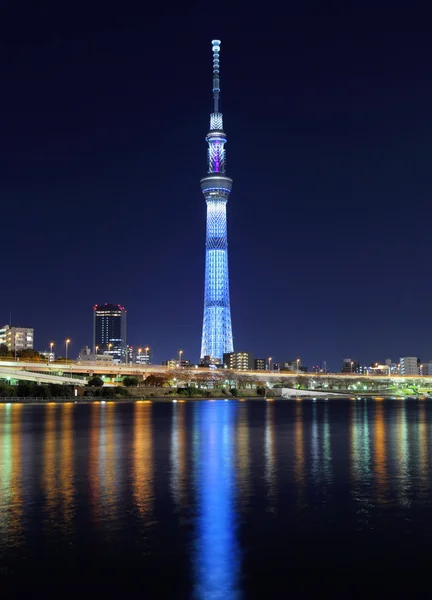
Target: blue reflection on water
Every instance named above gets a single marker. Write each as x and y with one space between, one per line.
216 557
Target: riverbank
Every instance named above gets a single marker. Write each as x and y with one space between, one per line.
132 400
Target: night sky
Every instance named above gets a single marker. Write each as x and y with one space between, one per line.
102 141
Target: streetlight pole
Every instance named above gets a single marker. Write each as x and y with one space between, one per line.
51 349
67 342
139 355
180 355
297 370
269 363
146 361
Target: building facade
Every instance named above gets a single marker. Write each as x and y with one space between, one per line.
109 331
351 366
240 361
86 355
409 365
17 338
260 364
140 356
217 338
426 369
176 363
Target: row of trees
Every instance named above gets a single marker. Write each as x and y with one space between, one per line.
33 390
28 354
216 379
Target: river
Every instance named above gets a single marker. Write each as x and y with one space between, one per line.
214 499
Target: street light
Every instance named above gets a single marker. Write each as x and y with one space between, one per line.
96 349
139 355
180 355
297 361
109 348
51 349
352 366
67 342
269 362
146 361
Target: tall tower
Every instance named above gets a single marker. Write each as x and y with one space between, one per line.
217 336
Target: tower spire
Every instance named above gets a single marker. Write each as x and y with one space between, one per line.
216 83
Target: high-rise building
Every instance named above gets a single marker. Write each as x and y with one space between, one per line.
109 331
260 364
240 361
217 338
17 338
409 365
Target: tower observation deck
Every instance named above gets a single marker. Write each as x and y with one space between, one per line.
217 336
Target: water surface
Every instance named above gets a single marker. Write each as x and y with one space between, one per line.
215 499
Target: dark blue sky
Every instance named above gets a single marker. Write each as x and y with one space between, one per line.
328 118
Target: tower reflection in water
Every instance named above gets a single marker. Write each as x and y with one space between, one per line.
216 557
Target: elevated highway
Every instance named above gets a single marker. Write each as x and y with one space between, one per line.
10 373
77 373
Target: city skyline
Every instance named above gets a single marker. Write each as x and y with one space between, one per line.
328 121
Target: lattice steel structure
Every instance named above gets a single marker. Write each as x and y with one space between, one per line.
217 338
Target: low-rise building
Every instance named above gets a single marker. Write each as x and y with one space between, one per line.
50 356
293 366
139 355
176 364
351 366
426 368
239 361
209 361
17 338
409 365
86 355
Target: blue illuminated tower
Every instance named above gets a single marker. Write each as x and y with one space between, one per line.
217 336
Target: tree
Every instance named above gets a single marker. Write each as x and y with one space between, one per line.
29 354
155 380
4 350
243 381
200 379
130 381
6 390
95 382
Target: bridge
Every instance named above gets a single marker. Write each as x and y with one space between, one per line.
77 373
10 373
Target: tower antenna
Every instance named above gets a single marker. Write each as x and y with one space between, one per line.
216 83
